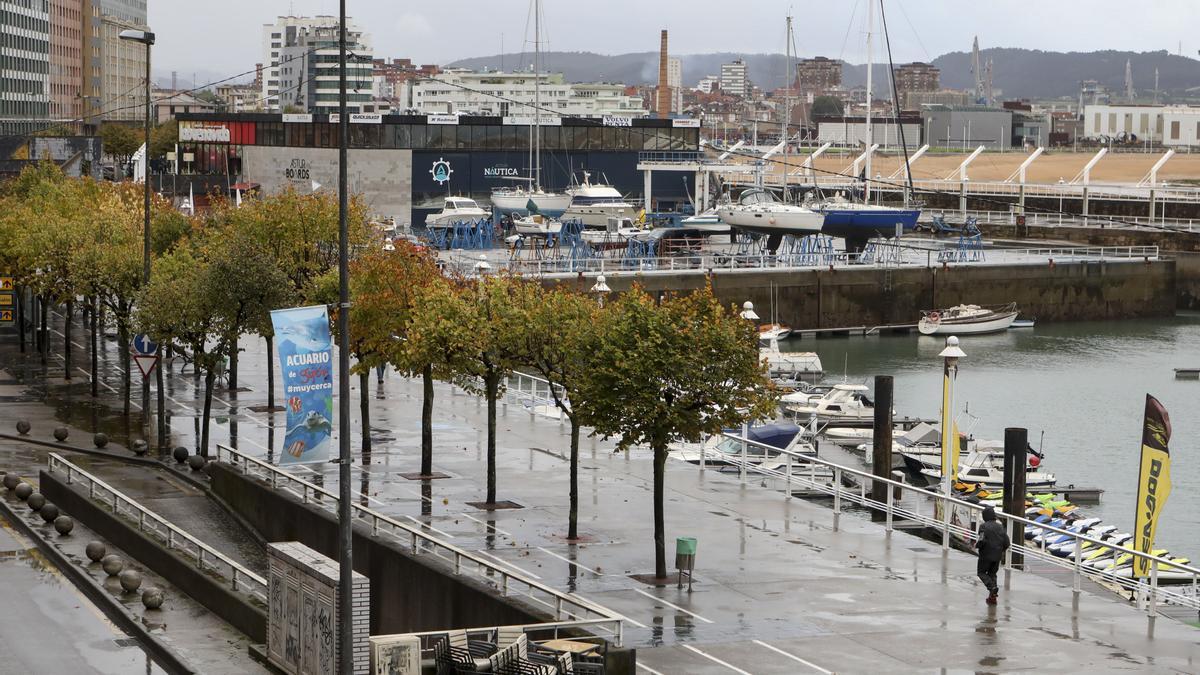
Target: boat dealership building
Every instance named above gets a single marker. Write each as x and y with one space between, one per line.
405 165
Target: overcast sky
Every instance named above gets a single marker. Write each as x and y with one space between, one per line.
222 37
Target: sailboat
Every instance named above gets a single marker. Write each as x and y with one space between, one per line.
857 222
757 210
511 200
534 223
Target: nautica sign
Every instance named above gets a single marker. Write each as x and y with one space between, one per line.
500 172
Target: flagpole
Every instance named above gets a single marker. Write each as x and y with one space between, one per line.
345 527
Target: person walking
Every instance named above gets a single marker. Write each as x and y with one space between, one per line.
992 543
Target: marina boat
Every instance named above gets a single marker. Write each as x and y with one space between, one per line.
594 203
758 211
985 466
536 225
967 320
456 210
843 403
796 365
719 449
616 232
857 222
773 331
515 201
708 222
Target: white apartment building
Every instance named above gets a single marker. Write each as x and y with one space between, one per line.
1112 121
675 83
300 64
707 83
514 95
734 80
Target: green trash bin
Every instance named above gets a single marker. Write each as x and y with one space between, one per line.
685 558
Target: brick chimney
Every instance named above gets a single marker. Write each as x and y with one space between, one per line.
663 104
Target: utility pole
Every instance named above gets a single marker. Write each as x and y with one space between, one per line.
345 526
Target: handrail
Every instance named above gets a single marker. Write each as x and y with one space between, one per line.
568 604
860 496
242 578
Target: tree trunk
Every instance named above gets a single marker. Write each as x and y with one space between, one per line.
95 367
162 399
492 383
21 318
270 375
364 405
44 333
67 340
573 524
210 376
660 470
233 368
123 340
427 420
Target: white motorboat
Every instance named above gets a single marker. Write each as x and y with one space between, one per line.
768 441
617 232
790 364
536 225
985 466
708 222
773 331
594 203
758 211
456 210
514 201
843 403
967 320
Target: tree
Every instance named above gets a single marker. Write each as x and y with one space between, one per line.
679 370
163 138
555 330
827 105
120 142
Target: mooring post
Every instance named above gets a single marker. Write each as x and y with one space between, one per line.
1016 441
881 455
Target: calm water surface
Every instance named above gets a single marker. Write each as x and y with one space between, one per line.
1082 384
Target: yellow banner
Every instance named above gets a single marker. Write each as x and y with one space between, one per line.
1154 481
949 431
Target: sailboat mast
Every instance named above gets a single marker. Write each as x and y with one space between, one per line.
787 107
537 95
870 95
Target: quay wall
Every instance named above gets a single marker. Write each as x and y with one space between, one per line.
408 593
1187 279
841 297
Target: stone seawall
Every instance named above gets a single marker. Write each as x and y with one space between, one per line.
841 297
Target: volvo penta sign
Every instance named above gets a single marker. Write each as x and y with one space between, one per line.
617 121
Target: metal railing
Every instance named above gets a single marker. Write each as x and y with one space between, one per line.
581 611
207 558
534 394
957 517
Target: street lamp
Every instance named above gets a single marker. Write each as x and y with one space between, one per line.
146 38
601 289
950 356
482 267
748 312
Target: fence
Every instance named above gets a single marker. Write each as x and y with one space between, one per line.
957 517
207 558
577 611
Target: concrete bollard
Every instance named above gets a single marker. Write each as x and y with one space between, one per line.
23 491
152 598
130 580
49 512
36 501
11 481
112 564
23 427
100 440
196 462
64 525
139 447
61 434
180 454
95 551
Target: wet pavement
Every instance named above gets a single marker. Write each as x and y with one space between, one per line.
777 588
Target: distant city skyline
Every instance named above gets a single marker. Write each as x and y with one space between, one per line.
920 30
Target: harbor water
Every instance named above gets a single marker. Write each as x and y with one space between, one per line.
1081 384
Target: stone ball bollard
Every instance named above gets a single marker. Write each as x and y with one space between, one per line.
139 447
152 598
49 512
112 564
64 525
180 454
95 551
130 580
23 427
23 491
100 440
196 462
11 481
36 501
61 433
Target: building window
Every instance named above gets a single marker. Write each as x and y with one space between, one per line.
1175 130
1096 123
1112 123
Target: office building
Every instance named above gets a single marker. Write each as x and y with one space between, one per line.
513 95
300 71
114 70
66 61
675 82
25 64
735 79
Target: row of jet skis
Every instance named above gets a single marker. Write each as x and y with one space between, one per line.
1113 558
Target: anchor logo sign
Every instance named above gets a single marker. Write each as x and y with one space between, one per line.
441 171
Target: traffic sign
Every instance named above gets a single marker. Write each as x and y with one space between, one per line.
7 299
146 363
142 344
6 316
6 283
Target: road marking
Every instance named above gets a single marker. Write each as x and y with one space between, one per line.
568 560
648 669
655 597
508 564
491 527
429 527
714 659
793 657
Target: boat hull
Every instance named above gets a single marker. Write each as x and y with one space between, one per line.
444 221
994 324
867 223
553 205
597 215
763 221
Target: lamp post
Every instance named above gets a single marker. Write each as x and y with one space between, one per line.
601 289
146 38
950 356
748 312
345 634
482 267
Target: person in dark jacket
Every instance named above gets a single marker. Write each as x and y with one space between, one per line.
992 543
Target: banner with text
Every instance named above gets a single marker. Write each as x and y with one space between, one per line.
1154 481
306 360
